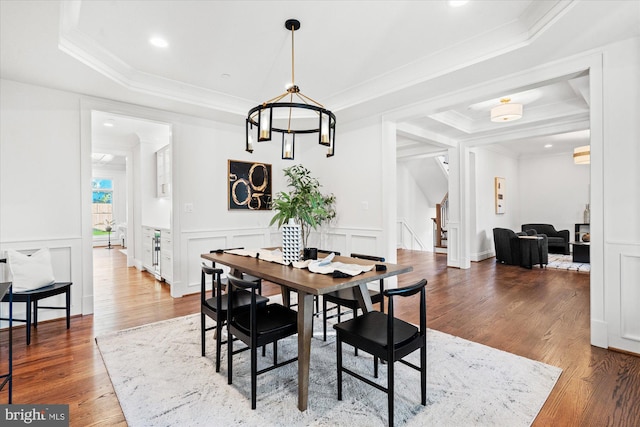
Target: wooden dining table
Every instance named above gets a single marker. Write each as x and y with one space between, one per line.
308 284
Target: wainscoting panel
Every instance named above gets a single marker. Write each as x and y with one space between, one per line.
255 240
67 266
453 254
621 295
195 246
334 241
630 296
367 245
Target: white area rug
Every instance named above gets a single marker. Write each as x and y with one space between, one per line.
565 262
161 380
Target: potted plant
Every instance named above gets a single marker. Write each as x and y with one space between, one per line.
108 227
304 203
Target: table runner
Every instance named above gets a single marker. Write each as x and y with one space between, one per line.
320 266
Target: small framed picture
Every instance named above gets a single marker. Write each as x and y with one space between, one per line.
499 194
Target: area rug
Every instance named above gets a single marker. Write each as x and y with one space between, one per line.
160 379
565 262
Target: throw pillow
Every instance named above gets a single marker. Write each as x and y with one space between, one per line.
30 272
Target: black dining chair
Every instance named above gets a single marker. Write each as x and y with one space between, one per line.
216 306
257 327
238 273
389 339
347 298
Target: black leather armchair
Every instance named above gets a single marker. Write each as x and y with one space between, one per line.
507 245
512 250
558 241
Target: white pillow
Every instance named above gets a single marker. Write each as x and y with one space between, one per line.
30 272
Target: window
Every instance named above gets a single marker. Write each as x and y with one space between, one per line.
102 205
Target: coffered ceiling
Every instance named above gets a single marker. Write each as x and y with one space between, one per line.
356 57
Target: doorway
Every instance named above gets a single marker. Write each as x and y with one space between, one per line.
123 152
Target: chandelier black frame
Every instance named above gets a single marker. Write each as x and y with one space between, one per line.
259 122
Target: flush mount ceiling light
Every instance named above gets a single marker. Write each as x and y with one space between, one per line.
506 111
582 155
159 42
260 119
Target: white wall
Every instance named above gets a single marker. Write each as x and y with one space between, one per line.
620 195
488 165
40 181
553 190
414 208
354 176
201 152
539 189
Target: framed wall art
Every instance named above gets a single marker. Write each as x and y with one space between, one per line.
500 194
249 185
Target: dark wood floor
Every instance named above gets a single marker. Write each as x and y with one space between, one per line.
539 314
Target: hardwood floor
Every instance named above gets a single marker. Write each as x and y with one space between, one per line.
539 314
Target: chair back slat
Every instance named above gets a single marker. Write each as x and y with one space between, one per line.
406 291
325 251
368 257
235 282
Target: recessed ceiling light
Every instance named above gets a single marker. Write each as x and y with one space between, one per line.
108 123
457 3
548 145
158 42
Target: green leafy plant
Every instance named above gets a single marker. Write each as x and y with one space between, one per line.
304 203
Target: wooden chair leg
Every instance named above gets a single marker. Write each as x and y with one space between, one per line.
390 390
218 343
68 301
375 367
339 363
229 358
254 376
29 322
423 375
202 332
324 319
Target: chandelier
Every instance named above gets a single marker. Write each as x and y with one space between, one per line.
506 112
260 119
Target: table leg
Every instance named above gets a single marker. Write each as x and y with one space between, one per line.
286 296
68 301
305 332
29 307
35 313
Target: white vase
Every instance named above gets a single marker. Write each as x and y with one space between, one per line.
587 215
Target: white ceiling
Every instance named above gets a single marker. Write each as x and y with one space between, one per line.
356 57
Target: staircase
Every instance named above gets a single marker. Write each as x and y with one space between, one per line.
440 225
